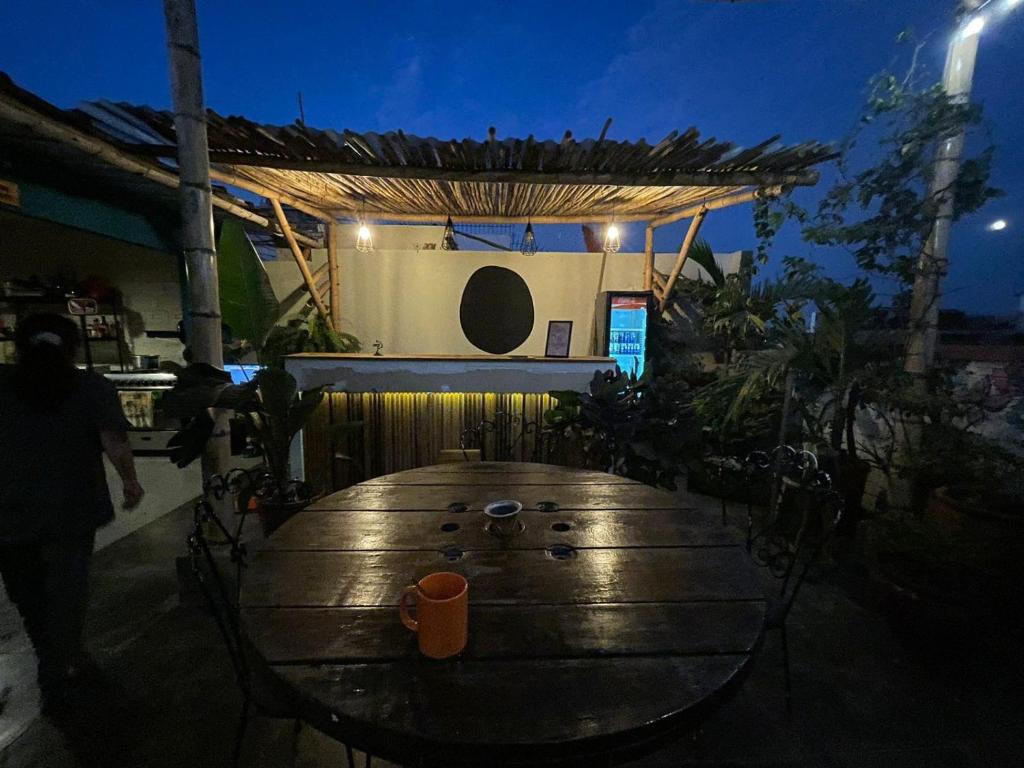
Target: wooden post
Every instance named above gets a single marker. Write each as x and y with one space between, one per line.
300 259
658 284
684 251
334 273
648 257
196 210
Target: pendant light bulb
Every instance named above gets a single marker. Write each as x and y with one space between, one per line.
612 239
364 239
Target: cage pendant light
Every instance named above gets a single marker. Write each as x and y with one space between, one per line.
529 244
448 238
612 238
364 237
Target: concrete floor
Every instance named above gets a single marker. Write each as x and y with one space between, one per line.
166 696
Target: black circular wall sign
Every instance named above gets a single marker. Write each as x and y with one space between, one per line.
496 310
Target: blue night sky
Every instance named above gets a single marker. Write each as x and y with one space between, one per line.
738 71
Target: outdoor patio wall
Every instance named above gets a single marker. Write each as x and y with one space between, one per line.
148 279
409 297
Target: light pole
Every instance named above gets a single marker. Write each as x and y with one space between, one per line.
934 259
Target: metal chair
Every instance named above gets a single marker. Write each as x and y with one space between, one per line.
509 430
724 469
790 539
222 599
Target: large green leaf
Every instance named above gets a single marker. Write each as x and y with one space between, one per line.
247 301
701 254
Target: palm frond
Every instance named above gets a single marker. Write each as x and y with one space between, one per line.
702 255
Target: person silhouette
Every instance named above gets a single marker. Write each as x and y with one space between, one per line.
56 422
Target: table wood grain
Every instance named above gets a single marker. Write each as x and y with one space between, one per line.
614 622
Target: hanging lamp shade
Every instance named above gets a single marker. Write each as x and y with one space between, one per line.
448 238
612 238
529 244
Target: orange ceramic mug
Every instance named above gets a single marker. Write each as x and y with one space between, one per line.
442 613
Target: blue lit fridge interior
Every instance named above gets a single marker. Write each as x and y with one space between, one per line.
242 372
627 332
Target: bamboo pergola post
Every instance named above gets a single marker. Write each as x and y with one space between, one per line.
334 274
684 251
648 257
726 201
300 259
196 210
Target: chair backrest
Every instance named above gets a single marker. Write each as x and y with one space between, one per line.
220 594
798 521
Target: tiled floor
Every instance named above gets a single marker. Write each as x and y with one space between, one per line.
860 698
19 697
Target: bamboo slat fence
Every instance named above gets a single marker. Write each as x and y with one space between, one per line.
407 430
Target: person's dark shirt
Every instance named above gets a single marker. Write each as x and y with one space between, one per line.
52 480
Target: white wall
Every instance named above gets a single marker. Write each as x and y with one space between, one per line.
408 295
148 279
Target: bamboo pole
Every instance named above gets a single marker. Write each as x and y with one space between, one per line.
648 257
658 283
300 259
227 177
725 201
433 173
196 211
44 126
684 252
440 218
334 273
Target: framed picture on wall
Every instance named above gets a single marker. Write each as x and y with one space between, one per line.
559 336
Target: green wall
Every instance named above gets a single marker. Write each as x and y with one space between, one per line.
92 215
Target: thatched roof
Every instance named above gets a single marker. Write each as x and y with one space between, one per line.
402 177
399 177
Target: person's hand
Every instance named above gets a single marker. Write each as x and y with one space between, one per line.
133 494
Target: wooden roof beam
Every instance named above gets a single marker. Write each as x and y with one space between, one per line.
227 177
684 253
737 198
441 218
661 179
300 259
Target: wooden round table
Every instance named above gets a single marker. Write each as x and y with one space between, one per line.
611 623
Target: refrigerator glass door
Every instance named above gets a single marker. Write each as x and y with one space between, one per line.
627 332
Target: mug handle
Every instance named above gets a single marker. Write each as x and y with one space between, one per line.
403 608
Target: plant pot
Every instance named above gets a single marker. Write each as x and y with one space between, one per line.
273 514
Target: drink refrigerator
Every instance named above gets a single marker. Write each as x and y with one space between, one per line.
622 320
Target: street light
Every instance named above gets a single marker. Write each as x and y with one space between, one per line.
998 225
973 27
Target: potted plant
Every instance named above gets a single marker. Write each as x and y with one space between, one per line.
609 428
272 409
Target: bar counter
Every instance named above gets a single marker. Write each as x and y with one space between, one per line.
444 373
